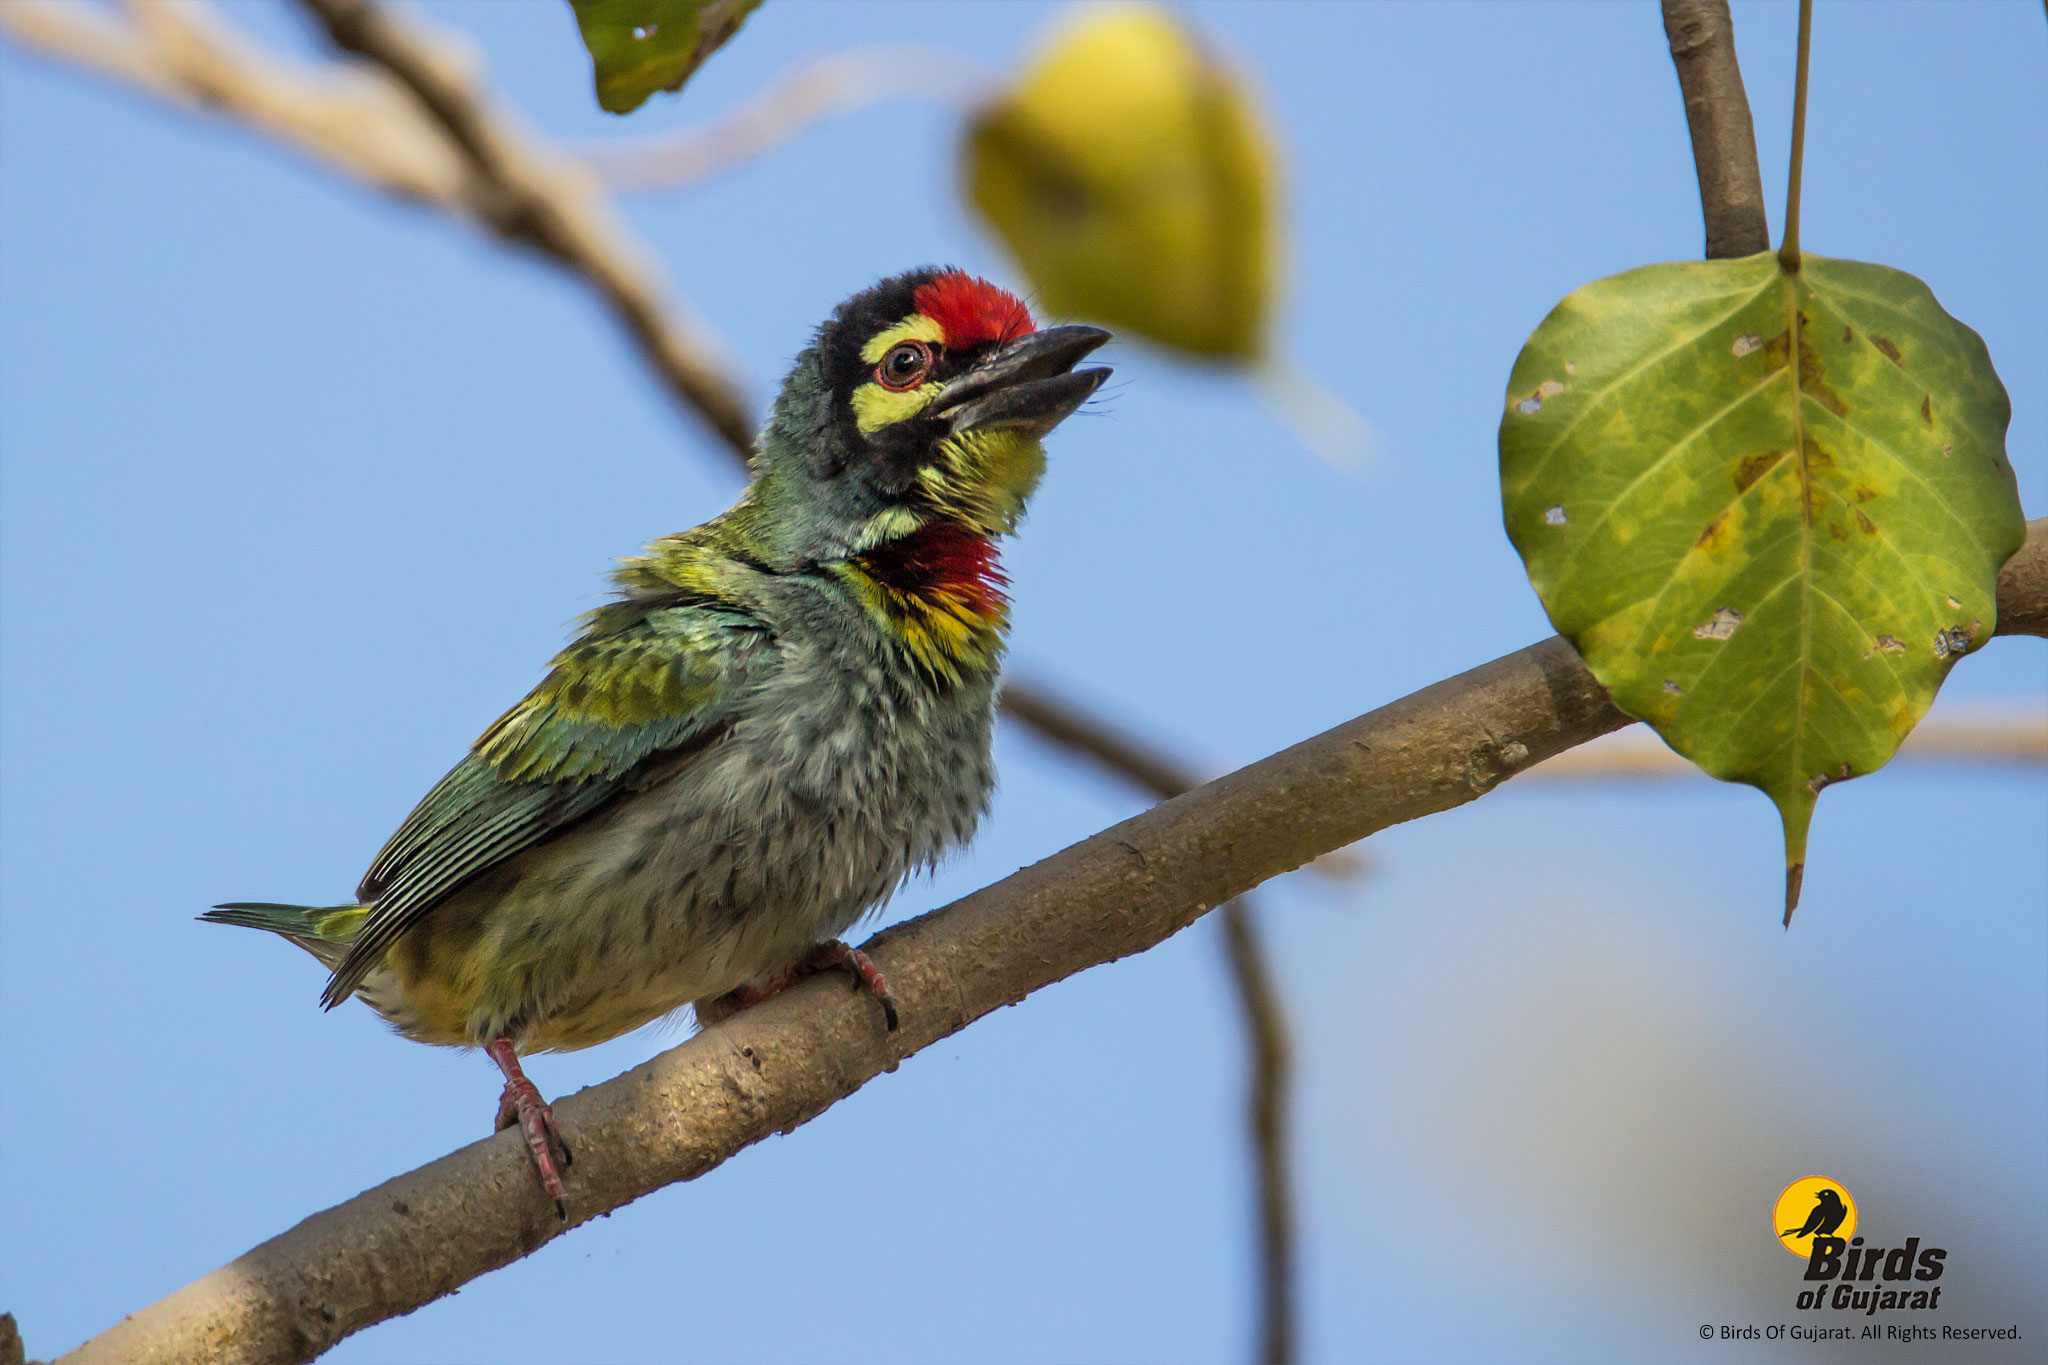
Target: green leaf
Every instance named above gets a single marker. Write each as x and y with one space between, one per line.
1769 509
640 46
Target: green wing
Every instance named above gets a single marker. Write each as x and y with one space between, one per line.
640 693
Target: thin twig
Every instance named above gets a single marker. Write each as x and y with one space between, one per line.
830 86
1788 254
425 1234
1269 1047
1070 727
1702 39
1268 1101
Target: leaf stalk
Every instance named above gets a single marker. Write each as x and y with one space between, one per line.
1788 254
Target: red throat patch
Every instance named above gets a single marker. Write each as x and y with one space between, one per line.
972 311
943 557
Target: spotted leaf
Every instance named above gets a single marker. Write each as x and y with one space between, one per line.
1769 508
640 46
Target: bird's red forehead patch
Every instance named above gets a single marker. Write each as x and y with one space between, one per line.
972 311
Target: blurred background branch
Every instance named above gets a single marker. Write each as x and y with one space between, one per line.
1270 1053
2019 740
825 88
527 192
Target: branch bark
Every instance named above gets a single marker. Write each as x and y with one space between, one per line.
411 1240
1702 38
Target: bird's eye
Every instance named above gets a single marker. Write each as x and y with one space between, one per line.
905 367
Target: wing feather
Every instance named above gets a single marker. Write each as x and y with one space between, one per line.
631 700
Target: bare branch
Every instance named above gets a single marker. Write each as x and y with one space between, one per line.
526 192
184 53
782 1063
1702 38
1069 726
838 84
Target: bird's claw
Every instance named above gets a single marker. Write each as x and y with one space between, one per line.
824 957
521 1105
866 975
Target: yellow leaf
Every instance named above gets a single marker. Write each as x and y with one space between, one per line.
1133 178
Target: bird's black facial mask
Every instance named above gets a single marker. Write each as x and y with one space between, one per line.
943 388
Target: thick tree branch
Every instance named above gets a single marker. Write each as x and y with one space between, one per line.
1702 40
426 1233
2023 586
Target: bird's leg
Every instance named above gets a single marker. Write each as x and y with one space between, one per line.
822 957
866 975
521 1104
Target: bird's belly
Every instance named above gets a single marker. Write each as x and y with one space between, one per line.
720 877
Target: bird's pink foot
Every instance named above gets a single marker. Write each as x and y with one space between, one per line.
824 957
521 1104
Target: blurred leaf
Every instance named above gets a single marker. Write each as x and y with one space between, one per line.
1769 509
640 46
1133 179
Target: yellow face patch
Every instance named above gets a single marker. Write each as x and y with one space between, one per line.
875 407
917 327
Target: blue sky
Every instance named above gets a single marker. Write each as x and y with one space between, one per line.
299 488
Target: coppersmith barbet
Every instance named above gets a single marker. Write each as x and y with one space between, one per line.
783 713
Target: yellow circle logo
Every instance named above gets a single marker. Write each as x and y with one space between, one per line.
1812 1206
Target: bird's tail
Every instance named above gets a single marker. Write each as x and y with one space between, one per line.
325 931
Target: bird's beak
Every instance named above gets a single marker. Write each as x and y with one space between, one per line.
1029 385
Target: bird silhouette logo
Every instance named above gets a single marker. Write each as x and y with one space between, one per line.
1812 1206
1828 1213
